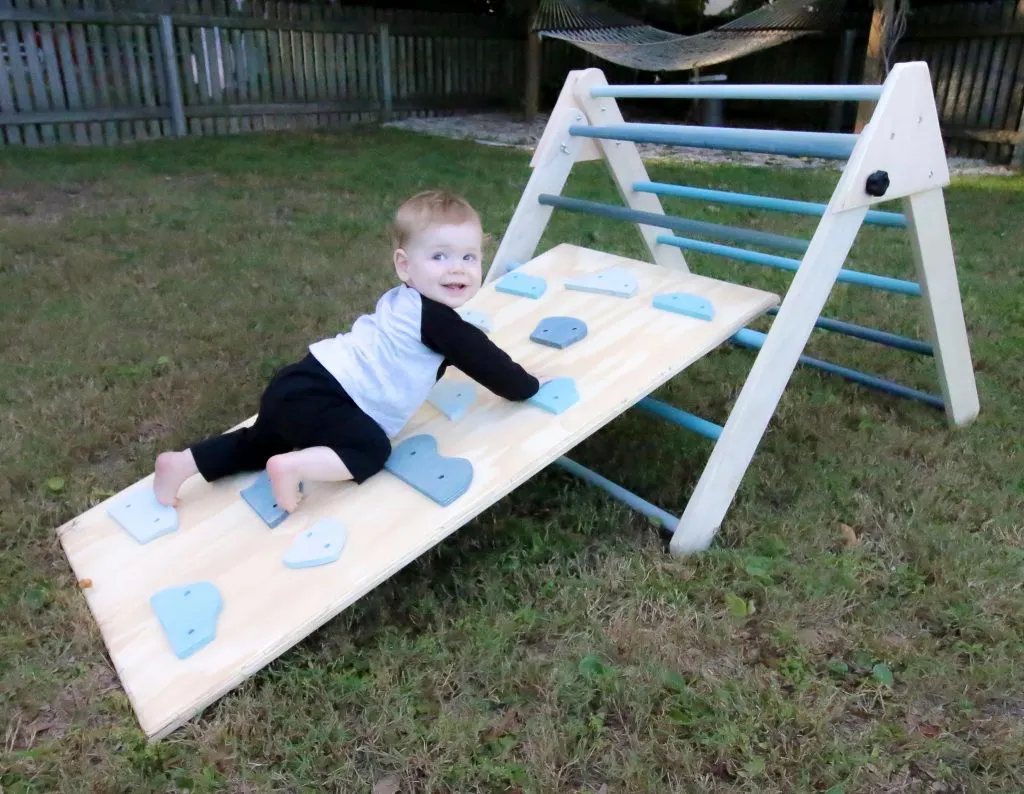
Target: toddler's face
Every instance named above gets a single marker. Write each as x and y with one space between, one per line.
443 262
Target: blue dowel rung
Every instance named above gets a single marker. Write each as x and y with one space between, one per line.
747 337
714 230
871 335
681 418
828 145
875 217
884 283
655 513
814 93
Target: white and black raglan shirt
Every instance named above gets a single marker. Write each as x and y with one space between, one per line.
391 359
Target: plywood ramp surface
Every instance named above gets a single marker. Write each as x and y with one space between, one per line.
630 350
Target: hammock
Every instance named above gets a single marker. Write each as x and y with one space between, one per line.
618 38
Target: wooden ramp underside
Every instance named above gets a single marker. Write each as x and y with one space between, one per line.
630 350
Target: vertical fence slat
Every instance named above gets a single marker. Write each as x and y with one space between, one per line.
87 75
67 73
9 133
32 40
19 74
146 63
159 70
384 36
172 82
330 66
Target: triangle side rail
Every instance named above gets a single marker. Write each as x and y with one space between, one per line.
766 382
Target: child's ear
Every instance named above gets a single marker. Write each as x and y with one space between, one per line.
401 261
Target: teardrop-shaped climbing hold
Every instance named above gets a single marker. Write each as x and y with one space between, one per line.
556 395
188 615
319 545
685 303
452 397
522 284
559 332
617 281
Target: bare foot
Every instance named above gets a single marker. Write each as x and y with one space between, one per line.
172 469
284 476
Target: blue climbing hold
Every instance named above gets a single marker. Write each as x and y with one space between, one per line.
556 395
477 318
260 497
452 398
142 516
188 615
685 303
319 545
522 284
616 281
417 463
559 332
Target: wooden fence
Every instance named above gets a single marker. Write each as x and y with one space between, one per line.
976 55
975 52
81 72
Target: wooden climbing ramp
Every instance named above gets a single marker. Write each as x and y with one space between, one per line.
243 592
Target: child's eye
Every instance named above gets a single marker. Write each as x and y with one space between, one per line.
470 257
439 255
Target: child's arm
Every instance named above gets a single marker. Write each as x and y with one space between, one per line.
467 347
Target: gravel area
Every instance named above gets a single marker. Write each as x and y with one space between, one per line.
500 129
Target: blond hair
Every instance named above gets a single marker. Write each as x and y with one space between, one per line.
428 208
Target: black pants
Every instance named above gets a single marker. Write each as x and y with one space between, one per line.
303 406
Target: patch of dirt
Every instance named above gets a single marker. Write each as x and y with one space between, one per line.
69 706
503 129
39 203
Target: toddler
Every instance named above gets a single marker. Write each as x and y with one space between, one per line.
331 416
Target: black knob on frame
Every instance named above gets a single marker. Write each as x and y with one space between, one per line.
877 184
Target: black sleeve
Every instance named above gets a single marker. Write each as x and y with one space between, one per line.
467 347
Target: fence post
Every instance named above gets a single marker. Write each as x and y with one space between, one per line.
385 71
171 67
1018 151
841 75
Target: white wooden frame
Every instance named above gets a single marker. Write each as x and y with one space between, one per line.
902 139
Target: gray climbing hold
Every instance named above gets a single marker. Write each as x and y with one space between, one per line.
559 332
142 516
417 463
188 615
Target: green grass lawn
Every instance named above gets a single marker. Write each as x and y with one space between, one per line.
148 291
